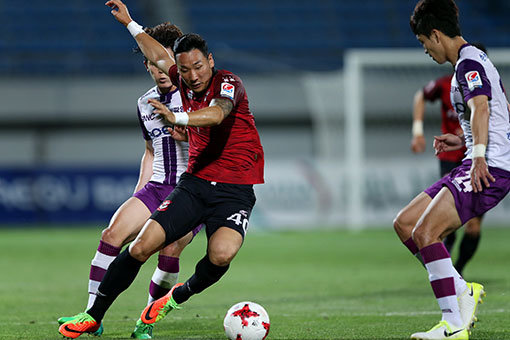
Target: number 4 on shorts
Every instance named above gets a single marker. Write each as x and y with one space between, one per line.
240 218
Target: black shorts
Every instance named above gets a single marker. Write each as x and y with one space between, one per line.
195 201
446 167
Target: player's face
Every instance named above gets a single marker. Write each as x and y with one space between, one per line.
195 69
162 81
433 47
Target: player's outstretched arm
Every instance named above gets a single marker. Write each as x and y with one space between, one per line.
448 142
418 141
151 49
480 112
214 114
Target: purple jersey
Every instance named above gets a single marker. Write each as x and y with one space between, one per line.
476 75
170 156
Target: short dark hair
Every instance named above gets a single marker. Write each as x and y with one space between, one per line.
191 41
165 33
442 15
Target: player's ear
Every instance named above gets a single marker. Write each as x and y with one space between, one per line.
145 63
210 60
435 36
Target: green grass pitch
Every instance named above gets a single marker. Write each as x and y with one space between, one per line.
314 285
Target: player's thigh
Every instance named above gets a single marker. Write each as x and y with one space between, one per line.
473 226
230 206
127 221
181 212
438 220
223 245
149 240
408 217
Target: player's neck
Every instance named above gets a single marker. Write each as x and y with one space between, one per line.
453 47
166 90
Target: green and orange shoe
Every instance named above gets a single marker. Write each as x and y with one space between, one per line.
160 308
142 330
77 325
64 319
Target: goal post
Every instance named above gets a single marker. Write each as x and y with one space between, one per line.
357 63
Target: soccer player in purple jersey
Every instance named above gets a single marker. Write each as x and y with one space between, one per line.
440 89
471 189
164 160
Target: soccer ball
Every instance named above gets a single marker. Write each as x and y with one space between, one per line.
246 321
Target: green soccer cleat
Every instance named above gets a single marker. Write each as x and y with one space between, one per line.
441 331
142 330
468 303
79 324
160 308
64 319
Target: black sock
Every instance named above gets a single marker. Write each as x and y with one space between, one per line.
206 274
119 276
467 249
449 241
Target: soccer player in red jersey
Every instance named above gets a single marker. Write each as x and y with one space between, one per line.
434 90
225 160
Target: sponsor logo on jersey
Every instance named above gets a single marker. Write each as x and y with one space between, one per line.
474 80
157 132
227 90
164 205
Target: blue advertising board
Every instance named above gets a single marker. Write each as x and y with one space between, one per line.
56 195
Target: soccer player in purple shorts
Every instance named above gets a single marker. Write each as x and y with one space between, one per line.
476 186
164 160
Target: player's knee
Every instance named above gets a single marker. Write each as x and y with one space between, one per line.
421 236
401 227
472 227
222 257
110 236
139 251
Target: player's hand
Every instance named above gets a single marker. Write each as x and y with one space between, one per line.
447 142
179 133
162 110
119 11
418 144
480 174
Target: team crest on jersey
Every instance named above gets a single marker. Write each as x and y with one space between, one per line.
227 90
164 205
190 94
474 80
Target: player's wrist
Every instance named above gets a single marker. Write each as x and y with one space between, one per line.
478 151
417 128
134 28
181 118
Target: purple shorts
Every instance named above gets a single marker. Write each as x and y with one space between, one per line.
153 193
468 203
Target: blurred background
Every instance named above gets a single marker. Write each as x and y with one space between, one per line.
330 82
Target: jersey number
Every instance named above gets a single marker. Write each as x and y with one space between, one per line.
465 182
240 219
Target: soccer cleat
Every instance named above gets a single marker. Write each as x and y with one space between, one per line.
441 331
160 308
79 324
468 303
142 330
64 319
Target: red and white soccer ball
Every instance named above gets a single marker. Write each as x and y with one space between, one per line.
246 321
